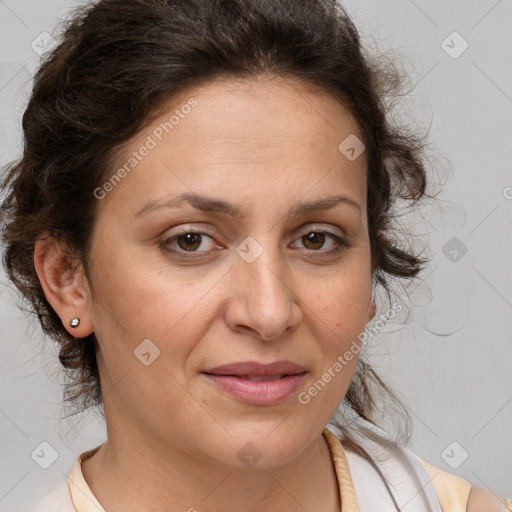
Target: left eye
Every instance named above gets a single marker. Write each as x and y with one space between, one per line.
188 241
318 238
191 241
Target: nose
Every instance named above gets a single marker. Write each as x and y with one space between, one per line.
263 302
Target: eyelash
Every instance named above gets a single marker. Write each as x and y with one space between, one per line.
340 244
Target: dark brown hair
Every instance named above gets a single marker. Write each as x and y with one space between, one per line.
119 61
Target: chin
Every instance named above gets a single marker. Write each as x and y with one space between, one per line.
254 447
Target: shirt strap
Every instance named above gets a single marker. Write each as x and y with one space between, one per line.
81 495
347 493
452 490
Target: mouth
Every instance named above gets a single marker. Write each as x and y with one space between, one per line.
255 378
257 389
254 369
250 377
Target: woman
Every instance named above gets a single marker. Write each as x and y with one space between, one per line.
200 218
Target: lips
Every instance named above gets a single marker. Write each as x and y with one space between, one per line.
256 383
252 370
263 378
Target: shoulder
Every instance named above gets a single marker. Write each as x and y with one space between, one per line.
452 489
58 499
448 490
480 499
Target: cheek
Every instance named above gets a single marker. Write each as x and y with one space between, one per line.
135 301
341 300
337 322
138 296
338 317
146 330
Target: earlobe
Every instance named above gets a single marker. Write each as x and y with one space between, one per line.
62 285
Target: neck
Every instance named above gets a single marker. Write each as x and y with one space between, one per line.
131 474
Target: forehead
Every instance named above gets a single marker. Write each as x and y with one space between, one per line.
264 136
258 111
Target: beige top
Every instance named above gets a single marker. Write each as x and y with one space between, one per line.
452 490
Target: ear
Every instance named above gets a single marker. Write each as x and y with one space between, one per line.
65 287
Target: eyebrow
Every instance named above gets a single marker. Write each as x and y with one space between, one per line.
212 204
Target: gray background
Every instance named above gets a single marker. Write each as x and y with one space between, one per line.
451 360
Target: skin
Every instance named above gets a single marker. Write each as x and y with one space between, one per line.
173 436
481 499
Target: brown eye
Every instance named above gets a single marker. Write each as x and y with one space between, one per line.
198 244
189 242
313 240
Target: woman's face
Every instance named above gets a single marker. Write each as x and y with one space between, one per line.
262 280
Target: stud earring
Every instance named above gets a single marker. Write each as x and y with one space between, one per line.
74 322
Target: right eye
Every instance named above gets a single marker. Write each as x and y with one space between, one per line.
188 241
